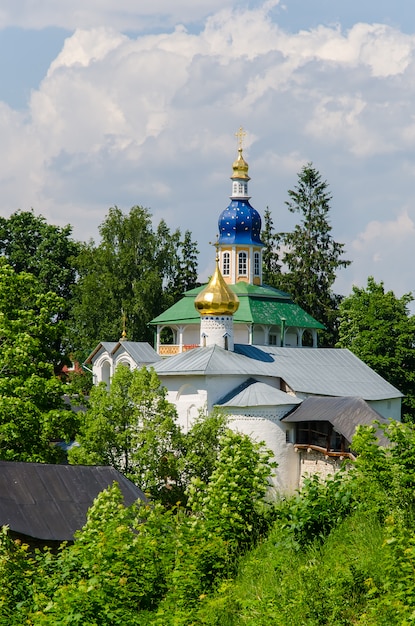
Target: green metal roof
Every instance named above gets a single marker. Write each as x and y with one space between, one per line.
257 305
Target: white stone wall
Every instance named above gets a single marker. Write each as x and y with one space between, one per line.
188 396
387 408
263 424
314 462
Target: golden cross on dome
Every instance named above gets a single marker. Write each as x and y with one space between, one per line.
241 134
216 244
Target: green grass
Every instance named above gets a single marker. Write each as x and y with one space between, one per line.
324 584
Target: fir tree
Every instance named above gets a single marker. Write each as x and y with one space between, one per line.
312 257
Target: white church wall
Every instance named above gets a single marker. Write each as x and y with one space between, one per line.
124 358
258 336
217 331
263 424
187 396
191 335
291 340
103 369
240 333
387 408
218 386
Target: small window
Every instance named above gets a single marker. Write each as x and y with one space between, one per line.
226 265
272 339
240 188
256 264
242 263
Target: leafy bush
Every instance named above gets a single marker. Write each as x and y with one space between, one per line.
318 507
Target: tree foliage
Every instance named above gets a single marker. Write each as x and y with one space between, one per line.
32 412
378 327
133 428
133 272
243 467
141 565
271 268
30 244
48 252
309 254
201 446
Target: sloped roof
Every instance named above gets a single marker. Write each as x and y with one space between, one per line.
317 371
50 502
258 304
140 351
253 393
324 372
106 346
345 414
212 360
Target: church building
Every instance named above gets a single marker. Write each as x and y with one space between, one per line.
238 344
265 316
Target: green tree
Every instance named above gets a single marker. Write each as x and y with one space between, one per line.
312 257
202 445
142 565
185 276
113 574
30 244
231 502
132 427
32 412
271 268
132 272
378 328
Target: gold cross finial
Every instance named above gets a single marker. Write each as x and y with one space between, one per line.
216 244
124 323
241 134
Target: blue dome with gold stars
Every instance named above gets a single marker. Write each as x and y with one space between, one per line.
240 223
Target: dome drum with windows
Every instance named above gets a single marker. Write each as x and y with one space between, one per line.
235 306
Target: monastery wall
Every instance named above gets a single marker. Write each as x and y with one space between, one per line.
314 462
263 424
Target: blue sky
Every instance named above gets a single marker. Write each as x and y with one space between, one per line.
104 103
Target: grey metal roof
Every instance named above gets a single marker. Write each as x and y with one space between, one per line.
140 351
212 360
106 346
50 502
317 371
324 371
253 393
345 414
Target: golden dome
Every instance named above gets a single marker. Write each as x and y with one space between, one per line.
217 298
240 167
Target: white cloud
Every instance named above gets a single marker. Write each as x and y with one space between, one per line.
384 250
119 14
149 119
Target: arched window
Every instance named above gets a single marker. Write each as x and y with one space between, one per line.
242 263
106 373
226 264
256 264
